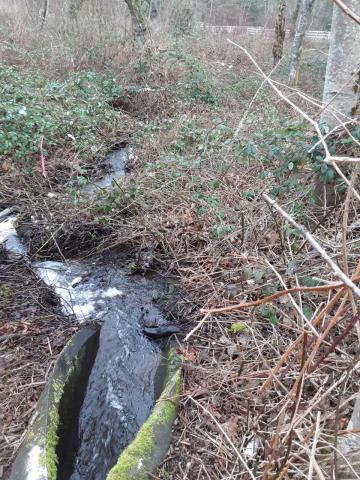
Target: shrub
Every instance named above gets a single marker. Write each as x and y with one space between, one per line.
73 113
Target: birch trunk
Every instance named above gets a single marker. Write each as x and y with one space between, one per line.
294 17
341 90
349 446
296 50
342 81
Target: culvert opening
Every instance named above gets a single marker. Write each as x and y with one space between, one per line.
70 406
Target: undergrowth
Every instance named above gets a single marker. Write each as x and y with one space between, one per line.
73 114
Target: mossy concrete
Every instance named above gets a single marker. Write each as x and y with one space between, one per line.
37 456
150 445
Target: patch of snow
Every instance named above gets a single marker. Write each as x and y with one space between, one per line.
76 281
252 447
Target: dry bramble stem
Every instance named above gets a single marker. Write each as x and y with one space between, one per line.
337 340
269 298
299 339
315 322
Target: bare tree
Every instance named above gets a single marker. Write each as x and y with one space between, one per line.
44 11
278 46
342 81
138 19
294 17
75 7
296 50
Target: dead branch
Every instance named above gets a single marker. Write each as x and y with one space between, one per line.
347 10
339 273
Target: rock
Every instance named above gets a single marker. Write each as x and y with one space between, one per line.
160 332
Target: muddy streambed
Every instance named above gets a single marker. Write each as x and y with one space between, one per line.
124 373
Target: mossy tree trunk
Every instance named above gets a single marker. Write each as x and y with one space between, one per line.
296 50
342 81
278 46
138 20
341 89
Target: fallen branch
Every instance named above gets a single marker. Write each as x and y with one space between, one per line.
197 326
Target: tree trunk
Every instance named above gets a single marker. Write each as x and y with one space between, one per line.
342 81
296 50
294 17
44 11
278 46
349 447
75 7
138 20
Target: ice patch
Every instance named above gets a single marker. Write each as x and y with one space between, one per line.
9 237
83 300
112 292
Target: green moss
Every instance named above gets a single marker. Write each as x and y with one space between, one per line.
51 443
138 458
237 328
49 458
52 438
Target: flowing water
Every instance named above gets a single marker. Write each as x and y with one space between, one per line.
116 163
128 371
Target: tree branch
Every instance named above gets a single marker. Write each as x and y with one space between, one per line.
339 273
347 11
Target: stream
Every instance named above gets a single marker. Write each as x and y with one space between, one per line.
129 368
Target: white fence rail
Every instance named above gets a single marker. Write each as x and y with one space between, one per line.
321 35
